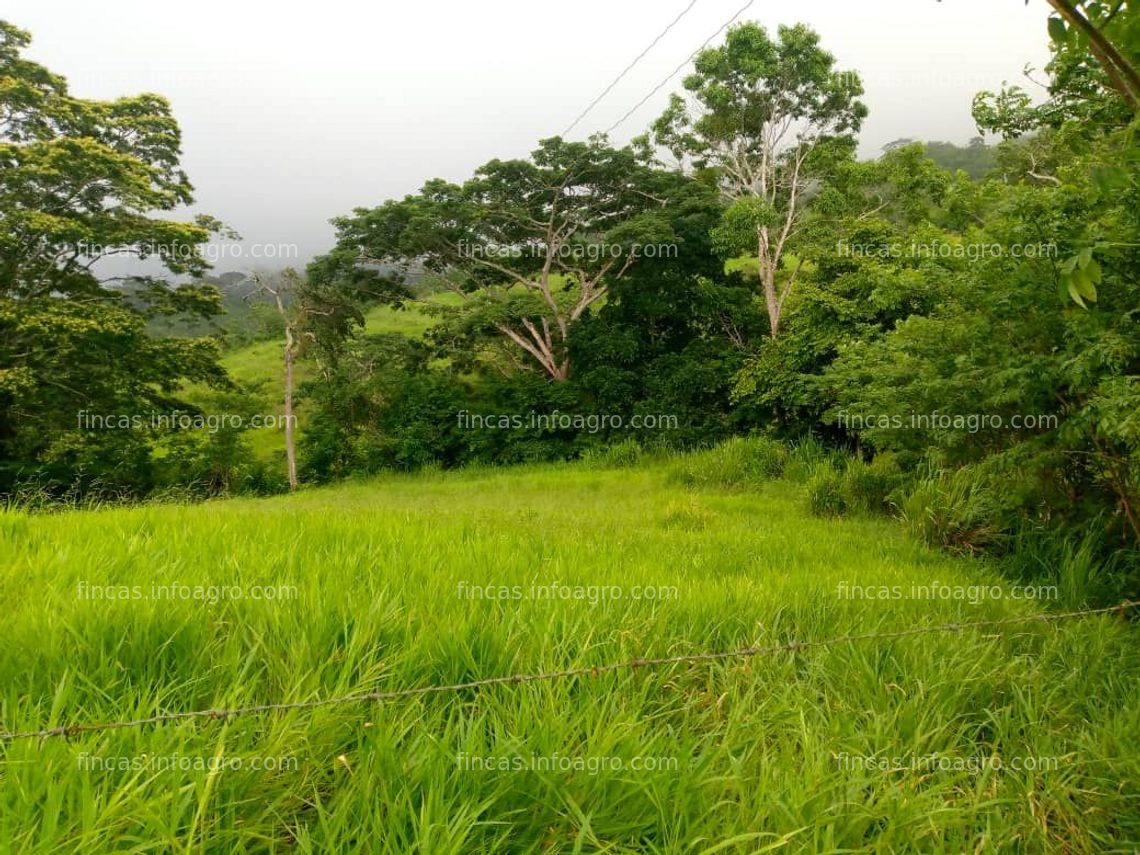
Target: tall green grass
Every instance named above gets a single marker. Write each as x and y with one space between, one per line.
755 753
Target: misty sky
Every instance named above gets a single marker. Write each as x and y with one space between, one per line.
295 113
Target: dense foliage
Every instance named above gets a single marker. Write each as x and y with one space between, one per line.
78 182
961 322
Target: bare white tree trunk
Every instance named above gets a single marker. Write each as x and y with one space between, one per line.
275 289
767 270
290 439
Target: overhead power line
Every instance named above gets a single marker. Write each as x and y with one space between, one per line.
627 69
677 70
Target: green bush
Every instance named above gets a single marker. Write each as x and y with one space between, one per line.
741 461
826 491
872 487
958 510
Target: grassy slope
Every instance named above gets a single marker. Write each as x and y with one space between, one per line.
260 365
377 567
262 360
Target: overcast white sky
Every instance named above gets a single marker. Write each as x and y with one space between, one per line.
293 113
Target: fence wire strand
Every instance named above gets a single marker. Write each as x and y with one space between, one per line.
69 730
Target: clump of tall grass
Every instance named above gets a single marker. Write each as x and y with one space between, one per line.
689 515
738 462
627 452
955 509
826 496
805 456
854 486
1083 571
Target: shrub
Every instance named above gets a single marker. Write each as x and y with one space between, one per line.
872 487
958 510
826 491
741 461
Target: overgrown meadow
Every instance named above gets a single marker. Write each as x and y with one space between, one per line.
720 484
605 564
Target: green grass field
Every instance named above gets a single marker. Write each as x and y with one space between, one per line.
258 368
769 754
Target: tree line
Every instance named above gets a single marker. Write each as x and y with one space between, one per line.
736 267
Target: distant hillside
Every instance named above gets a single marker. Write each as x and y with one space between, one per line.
256 365
247 317
975 159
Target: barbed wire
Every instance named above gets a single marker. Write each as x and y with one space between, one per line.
66 731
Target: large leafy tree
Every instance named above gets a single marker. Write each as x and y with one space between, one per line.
1090 118
316 321
1007 378
858 277
79 180
1093 73
531 245
764 118
1053 337
1104 32
1060 378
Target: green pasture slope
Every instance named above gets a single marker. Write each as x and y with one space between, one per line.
259 368
781 753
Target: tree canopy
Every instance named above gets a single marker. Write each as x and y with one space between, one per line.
80 181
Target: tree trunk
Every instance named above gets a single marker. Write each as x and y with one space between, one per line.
767 268
541 347
290 443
